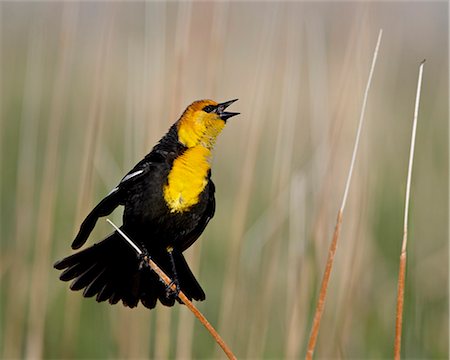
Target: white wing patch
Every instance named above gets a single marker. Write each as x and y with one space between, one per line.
132 175
126 178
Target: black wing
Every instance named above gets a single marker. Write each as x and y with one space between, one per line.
115 197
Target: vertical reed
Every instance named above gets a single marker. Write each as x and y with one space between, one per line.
47 200
402 266
332 250
25 204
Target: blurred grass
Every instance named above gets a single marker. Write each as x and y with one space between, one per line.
88 88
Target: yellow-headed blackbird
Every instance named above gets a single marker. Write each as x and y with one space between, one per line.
168 200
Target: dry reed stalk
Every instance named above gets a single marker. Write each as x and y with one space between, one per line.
181 295
25 204
350 272
134 332
332 249
162 336
263 70
402 266
318 102
95 118
182 43
325 157
156 35
281 172
318 81
218 31
295 265
180 51
2 121
185 326
145 101
216 51
47 200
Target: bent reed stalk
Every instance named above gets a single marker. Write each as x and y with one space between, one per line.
168 281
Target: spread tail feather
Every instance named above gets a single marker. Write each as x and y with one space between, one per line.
110 271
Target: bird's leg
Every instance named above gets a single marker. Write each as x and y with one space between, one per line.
170 292
143 258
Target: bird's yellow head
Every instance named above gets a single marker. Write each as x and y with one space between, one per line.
202 122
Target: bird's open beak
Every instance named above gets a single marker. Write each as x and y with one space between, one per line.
225 115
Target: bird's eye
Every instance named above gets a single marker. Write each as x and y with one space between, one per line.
208 108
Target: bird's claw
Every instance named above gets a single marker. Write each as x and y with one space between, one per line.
173 293
143 258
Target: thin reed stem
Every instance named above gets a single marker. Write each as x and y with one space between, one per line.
332 250
240 212
93 129
16 300
181 295
402 269
39 278
361 121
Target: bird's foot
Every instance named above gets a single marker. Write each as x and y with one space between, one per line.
172 293
143 258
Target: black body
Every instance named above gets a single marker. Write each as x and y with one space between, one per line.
110 269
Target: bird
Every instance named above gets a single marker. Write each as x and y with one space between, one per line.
168 199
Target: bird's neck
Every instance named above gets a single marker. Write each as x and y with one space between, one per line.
192 133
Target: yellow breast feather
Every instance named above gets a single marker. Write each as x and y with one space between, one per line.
187 178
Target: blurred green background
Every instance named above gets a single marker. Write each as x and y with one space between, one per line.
88 88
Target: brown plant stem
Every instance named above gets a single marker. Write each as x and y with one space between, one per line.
162 275
402 266
193 309
332 250
323 288
400 300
